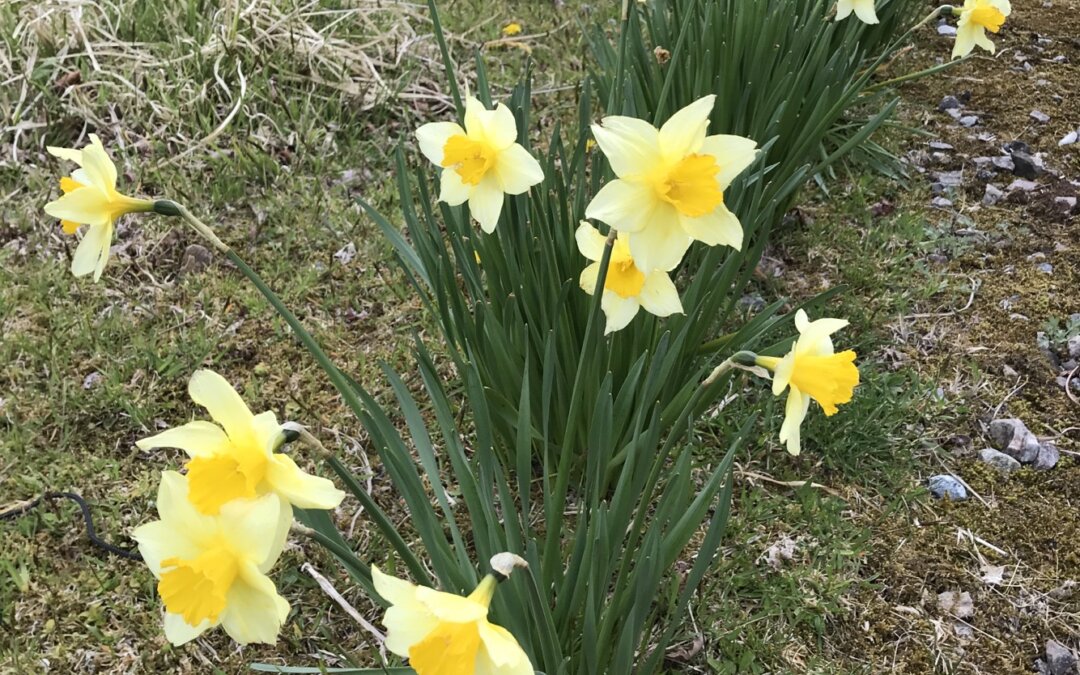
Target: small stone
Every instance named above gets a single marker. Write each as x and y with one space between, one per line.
999 460
969 121
1009 371
949 178
937 259
1021 185
1004 163
947 487
1025 166
1047 458
346 253
1012 437
1069 139
752 302
1039 116
1016 146
1074 347
993 195
949 103
940 146
1059 659
196 259
946 29
941 203
958 605
954 113
91 380
1067 204
1045 268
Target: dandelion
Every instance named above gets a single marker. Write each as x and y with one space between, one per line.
670 185
813 371
90 198
482 162
511 29
626 287
237 460
446 634
864 10
977 17
211 570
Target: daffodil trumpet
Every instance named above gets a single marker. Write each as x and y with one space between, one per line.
976 18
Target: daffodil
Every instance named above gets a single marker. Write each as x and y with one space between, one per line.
977 17
481 162
446 634
671 182
864 9
211 570
626 287
237 460
90 198
812 370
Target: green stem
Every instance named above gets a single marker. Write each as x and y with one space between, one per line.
916 75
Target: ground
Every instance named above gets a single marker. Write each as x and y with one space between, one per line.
947 304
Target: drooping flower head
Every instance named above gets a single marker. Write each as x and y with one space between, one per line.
812 370
864 9
481 162
626 287
446 634
211 570
90 198
670 185
237 460
977 17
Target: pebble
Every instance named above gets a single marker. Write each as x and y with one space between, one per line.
1012 437
958 605
1022 185
1016 146
1045 268
999 460
1039 116
1004 163
752 303
949 178
1067 203
1025 166
1069 139
91 380
1074 347
946 29
969 121
993 195
941 202
196 259
945 486
1047 458
1059 659
939 145
949 103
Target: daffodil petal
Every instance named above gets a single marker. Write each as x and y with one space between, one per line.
450 607
632 146
98 166
88 206
406 627
517 170
500 127
485 203
213 392
661 245
659 296
501 647
814 338
590 242
733 154
966 37
782 373
452 189
179 632
159 541
257 526
432 139
254 612
794 413
626 206
588 278
300 488
864 9
93 250
70 154
844 9
618 311
177 511
393 590
684 132
721 227
198 439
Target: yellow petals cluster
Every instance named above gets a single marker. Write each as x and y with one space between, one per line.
812 370
482 161
977 17
863 9
446 634
223 525
90 198
511 29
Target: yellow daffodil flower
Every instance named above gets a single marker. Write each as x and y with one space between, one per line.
90 198
511 29
626 287
671 182
211 570
237 460
977 17
864 9
813 371
482 162
445 634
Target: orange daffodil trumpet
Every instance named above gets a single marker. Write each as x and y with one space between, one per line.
670 186
626 287
237 460
446 634
863 9
211 570
481 162
811 370
90 198
977 17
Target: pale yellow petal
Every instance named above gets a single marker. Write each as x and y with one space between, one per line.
588 278
88 206
590 242
659 295
1003 6
70 154
159 541
733 155
179 513
719 228
794 413
966 37
782 373
267 430
198 439
179 632
660 245
98 166
618 311
93 250
502 648
500 127
450 607
815 337
864 9
627 206
432 139
684 132
632 146
300 488
844 9
517 170
406 626
213 392
486 202
254 612
393 590
453 190
254 527
983 40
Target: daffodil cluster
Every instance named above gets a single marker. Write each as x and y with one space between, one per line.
976 17
223 525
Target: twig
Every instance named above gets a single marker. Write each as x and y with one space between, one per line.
329 589
975 285
788 483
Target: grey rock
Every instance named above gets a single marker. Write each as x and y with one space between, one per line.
946 29
968 121
999 460
954 113
958 605
1067 204
949 103
1047 458
1012 437
1021 185
1069 139
1004 163
1025 166
949 178
1059 659
752 302
1016 146
993 195
196 259
937 258
91 380
941 202
1039 116
1074 347
1045 268
346 253
947 487
939 145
